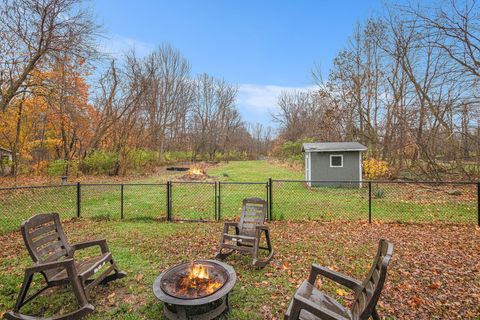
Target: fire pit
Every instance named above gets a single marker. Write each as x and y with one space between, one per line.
195 173
197 290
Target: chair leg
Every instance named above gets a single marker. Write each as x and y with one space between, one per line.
375 315
84 307
255 261
263 262
118 274
223 255
23 291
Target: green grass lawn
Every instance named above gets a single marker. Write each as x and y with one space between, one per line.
254 171
291 200
145 248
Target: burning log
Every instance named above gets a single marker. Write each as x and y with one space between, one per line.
197 282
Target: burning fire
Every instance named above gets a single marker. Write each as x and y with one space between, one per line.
197 282
196 171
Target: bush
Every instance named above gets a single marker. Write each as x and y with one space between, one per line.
57 167
141 160
231 155
174 156
99 162
375 169
5 165
291 151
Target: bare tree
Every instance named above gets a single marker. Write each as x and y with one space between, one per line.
33 31
214 118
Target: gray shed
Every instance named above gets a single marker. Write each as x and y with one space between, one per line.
5 156
333 161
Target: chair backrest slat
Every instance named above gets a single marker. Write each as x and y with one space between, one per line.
366 299
44 238
253 214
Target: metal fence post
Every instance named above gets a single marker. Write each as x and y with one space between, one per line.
121 201
369 201
215 200
478 202
169 214
270 192
219 204
79 199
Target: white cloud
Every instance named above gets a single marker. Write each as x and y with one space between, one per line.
258 102
263 98
116 45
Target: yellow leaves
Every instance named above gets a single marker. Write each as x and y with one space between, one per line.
341 292
40 167
375 169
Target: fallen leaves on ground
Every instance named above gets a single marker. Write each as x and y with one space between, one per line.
434 273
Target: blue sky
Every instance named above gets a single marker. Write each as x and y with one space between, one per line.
264 47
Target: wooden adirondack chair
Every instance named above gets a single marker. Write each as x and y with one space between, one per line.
53 257
310 303
248 233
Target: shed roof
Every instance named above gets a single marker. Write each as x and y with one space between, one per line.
10 151
333 146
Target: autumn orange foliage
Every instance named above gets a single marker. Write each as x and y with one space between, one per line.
53 119
375 169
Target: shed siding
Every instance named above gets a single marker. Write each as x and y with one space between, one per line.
321 170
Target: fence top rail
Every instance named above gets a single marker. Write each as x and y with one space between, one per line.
241 182
194 182
245 183
383 181
144 184
38 187
119 184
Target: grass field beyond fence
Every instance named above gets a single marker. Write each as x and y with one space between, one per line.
222 196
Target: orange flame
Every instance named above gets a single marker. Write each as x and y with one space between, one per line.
197 281
196 171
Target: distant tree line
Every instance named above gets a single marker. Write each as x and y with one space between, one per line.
406 85
150 107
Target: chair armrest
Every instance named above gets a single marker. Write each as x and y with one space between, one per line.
261 227
300 303
338 277
102 243
39 267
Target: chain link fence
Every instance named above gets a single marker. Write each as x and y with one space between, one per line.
231 195
456 202
18 204
193 200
